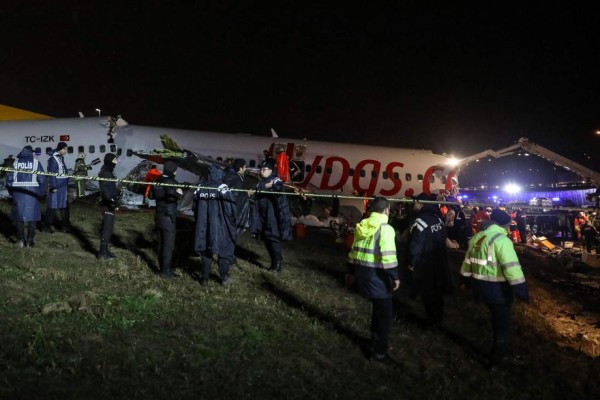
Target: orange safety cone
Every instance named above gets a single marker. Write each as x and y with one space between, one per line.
299 231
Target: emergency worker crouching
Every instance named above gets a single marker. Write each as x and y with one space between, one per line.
492 268
167 198
374 264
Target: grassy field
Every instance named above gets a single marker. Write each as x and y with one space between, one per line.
73 327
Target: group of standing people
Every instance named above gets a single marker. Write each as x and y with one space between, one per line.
378 262
221 214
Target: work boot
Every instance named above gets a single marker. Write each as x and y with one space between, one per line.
168 273
276 266
103 254
30 243
226 280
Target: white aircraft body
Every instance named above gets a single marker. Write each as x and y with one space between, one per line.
334 168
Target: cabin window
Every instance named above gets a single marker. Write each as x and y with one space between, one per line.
319 169
420 177
113 148
351 172
362 173
408 177
81 149
384 174
38 150
70 150
374 174
328 170
102 148
119 151
129 152
396 176
308 167
92 149
219 158
444 180
252 163
49 150
431 179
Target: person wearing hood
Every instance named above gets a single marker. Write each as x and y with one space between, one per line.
271 217
492 269
428 260
26 189
58 190
373 263
234 178
109 194
216 228
167 198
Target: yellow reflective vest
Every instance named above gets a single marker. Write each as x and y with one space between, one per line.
494 266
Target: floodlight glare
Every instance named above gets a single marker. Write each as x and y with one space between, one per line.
512 188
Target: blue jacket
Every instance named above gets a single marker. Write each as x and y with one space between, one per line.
58 199
26 189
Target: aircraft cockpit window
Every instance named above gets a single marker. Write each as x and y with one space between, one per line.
319 169
384 174
328 170
49 150
92 149
431 179
351 172
102 148
362 173
408 177
81 149
252 163
420 177
113 148
129 152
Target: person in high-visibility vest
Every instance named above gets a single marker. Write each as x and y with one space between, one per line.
492 268
373 263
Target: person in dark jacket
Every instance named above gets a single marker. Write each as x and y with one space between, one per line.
271 218
165 218
26 190
234 179
58 190
431 274
216 229
590 235
108 203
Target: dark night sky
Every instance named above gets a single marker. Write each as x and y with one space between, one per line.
455 80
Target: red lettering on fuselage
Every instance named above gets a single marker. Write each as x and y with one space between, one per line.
371 179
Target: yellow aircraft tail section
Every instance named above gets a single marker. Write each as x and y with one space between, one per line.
15 114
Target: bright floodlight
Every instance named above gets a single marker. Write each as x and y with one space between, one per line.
453 162
512 188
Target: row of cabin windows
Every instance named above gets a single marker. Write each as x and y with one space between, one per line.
91 149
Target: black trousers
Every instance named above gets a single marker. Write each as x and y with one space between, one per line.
382 317
273 245
166 229
21 230
108 223
501 330
434 308
207 260
65 217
